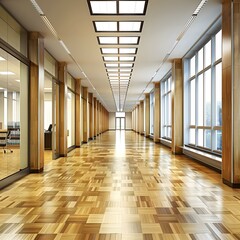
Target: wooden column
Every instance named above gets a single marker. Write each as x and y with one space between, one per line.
147 114
177 106
141 117
62 75
156 112
230 92
100 118
91 116
36 56
85 115
78 112
95 116
137 118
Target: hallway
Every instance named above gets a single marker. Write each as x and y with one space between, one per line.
120 186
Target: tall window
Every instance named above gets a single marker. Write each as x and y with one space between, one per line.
151 112
166 108
205 96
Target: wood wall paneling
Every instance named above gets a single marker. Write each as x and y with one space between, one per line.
156 112
85 115
177 106
36 55
147 114
62 75
78 111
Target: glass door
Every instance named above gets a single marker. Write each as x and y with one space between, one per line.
120 123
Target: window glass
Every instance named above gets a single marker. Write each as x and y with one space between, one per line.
218 94
205 96
200 60
192 102
207 54
166 108
218 42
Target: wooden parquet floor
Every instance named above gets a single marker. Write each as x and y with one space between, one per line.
121 187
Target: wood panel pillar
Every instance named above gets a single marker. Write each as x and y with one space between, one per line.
230 92
157 111
91 116
85 115
177 106
147 114
78 111
36 56
95 116
62 75
141 106
137 118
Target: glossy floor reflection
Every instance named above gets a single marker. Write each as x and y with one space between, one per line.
121 186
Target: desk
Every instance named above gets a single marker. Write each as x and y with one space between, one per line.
48 140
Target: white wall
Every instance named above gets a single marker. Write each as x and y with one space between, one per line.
128 120
112 121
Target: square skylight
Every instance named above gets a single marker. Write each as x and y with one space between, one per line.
127 50
103 7
108 40
125 70
124 78
111 65
128 40
125 74
112 69
129 59
113 78
117 7
106 26
113 74
132 7
109 50
126 65
108 59
134 26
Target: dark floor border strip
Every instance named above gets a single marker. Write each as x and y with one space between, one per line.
232 185
13 178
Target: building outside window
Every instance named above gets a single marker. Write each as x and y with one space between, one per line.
205 96
166 108
151 113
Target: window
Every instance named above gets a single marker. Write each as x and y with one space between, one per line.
166 108
151 113
205 96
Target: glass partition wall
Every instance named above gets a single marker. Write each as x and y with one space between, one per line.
51 109
13 115
14 100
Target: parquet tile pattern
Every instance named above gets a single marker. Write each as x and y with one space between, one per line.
121 186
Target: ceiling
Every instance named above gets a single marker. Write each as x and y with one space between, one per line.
162 26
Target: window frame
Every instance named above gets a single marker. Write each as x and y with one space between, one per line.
213 127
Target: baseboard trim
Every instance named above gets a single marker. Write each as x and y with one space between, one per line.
13 178
232 185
